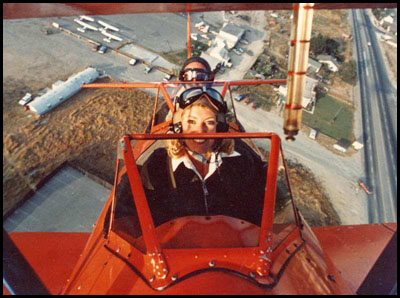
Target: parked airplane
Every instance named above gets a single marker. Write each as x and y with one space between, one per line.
86 18
108 26
110 36
85 26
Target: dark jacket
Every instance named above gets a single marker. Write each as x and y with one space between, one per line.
235 189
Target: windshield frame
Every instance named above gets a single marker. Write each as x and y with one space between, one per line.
251 261
144 213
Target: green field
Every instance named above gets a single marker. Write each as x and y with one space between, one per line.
332 118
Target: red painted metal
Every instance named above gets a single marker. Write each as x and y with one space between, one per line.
354 249
269 201
189 39
41 10
146 221
52 255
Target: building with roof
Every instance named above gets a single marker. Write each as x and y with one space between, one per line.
314 65
309 95
61 91
230 34
330 61
342 145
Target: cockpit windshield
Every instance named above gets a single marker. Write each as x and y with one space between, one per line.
200 189
224 208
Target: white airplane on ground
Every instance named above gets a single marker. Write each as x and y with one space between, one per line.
86 18
84 25
108 26
110 36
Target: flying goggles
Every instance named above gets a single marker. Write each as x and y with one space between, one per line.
196 74
191 95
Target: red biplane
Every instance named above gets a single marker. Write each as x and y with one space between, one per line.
203 254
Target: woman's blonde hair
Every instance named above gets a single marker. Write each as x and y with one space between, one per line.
176 148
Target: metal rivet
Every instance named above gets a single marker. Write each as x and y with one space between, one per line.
152 278
331 278
211 264
261 252
174 277
79 287
252 274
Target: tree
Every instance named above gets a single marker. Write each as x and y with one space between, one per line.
332 47
325 45
317 45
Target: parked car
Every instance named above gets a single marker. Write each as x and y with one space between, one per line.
313 134
228 64
239 97
132 62
26 99
240 50
147 69
103 49
364 187
167 77
244 41
237 52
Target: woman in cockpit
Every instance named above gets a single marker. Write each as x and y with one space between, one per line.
199 176
203 176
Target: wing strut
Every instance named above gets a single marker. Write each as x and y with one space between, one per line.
298 60
189 40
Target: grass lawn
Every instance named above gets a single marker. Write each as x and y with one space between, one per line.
332 118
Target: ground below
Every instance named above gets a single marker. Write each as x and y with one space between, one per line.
85 130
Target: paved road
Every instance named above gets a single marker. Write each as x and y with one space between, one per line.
379 106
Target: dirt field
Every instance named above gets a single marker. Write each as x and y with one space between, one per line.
84 130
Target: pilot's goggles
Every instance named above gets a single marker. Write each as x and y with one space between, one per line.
197 74
189 96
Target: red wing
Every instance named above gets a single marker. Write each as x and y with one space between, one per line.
41 10
355 249
52 255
